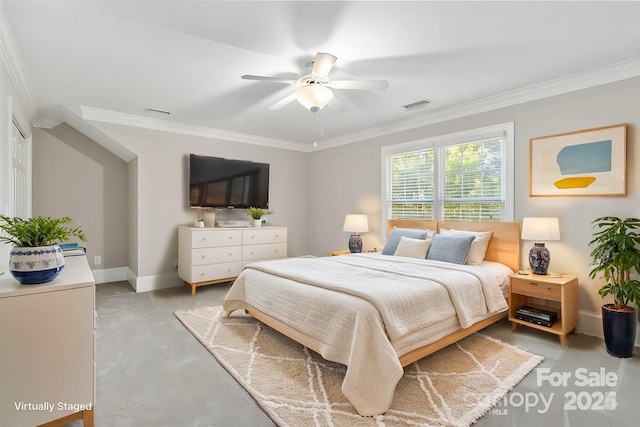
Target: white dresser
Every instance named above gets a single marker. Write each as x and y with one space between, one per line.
47 362
215 255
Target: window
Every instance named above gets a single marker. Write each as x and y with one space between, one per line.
462 176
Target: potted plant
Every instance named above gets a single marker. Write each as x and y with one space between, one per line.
36 256
616 255
256 215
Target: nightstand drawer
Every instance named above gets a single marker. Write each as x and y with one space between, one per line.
536 289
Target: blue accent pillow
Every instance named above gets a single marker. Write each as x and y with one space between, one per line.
452 248
394 238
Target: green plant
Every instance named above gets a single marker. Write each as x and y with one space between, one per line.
38 231
616 255
256 213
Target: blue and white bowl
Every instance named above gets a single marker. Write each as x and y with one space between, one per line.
36 265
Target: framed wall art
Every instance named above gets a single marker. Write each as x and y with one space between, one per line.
589 162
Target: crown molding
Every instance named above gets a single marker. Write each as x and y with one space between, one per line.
101 115
10 58
599 76
13 64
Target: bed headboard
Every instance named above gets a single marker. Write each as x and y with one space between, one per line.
504 246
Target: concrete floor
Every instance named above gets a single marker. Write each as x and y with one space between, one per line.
152 372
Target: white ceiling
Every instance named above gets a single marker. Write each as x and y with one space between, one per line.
111 60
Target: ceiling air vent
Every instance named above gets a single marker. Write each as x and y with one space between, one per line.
154 110
417 104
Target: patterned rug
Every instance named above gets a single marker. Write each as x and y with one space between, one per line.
296 387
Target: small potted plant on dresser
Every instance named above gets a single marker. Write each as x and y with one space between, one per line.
256 215
36 256
616 254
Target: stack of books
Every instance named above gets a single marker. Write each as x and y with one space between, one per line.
72 249
536 315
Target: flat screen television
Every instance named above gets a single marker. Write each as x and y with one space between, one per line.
215 182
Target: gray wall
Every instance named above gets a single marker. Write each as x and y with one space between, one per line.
160 184
73 176
354 186
311 192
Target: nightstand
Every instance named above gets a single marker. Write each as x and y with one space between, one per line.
562 289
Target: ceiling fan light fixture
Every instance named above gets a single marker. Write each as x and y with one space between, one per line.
314 97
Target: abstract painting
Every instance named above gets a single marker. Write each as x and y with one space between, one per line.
589 162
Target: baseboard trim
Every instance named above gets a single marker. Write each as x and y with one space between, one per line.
154 283
590 323
110 275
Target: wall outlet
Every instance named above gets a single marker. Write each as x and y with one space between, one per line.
97 260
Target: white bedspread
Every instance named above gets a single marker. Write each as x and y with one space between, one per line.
382 299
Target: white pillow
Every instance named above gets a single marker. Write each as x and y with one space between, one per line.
478 247
412 248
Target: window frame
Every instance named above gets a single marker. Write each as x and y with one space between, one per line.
502 130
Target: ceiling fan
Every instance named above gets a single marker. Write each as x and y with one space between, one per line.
314 89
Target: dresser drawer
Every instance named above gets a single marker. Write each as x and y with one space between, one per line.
204 256
274 250
215 238
536 289
203 273
261 236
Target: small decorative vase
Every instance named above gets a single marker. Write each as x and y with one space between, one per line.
257 222
539 259
355 243
41 264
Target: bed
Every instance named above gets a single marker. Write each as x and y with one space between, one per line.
377 313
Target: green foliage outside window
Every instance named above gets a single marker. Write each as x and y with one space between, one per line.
471 182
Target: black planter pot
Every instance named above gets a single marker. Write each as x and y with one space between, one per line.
619 330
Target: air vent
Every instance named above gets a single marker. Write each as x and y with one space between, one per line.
417 104
154 110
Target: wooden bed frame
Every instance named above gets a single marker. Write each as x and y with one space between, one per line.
504 247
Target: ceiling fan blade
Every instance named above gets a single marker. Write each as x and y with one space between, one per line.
322 64
269 79
284 101
359 84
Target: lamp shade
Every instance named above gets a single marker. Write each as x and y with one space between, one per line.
540 228
356 224
314 97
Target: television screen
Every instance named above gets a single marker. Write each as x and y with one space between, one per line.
215 182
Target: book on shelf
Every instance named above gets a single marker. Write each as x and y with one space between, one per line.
537 313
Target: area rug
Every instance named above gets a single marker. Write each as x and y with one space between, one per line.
296 387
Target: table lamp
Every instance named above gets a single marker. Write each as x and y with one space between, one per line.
355 224
539 229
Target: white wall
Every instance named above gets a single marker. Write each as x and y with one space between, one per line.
10 108
354 186
160 184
